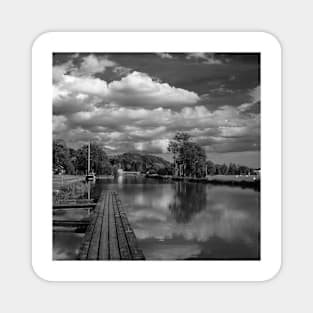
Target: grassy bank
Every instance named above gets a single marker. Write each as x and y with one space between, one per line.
68 187
229 180
63 180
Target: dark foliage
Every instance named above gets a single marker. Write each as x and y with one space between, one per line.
145 163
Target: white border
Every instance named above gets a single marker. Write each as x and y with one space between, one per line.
42 262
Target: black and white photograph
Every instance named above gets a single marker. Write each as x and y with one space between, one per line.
156 156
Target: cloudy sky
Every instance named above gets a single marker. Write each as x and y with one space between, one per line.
137 102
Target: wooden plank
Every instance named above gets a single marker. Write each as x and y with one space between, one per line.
109 235
125 253
113 243
70 223
95 239
74 206
67 201
83 255
136 253
104 237
132 240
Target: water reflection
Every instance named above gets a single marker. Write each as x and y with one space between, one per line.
66 245
181 207
67 240
178 220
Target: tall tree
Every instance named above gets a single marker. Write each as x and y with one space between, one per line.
99 161
210 168
62 162
189 157
175 146
243 170
232 169
224 169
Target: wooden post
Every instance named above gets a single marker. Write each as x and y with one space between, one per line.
174 165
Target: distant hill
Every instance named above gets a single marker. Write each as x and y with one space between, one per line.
139 162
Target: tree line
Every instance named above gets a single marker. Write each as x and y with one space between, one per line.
189 160
74 162
70 161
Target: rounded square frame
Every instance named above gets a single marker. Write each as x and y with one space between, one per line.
261 42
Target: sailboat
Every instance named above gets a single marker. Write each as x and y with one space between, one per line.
91 176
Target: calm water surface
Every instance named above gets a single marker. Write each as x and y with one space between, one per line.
178 220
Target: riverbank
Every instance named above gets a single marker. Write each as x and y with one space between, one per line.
64 180
68 187
245 181
104 176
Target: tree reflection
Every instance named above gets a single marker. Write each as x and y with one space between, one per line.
189 199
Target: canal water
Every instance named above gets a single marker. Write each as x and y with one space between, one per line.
179 220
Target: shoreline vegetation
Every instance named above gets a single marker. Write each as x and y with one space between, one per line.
189 164
244 181
252 181
68 187
63 180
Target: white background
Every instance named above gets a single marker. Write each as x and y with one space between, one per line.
21 22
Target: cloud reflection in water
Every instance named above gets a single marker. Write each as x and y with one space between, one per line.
179 221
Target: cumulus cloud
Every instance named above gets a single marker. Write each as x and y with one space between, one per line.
139 89
89 65
151 129
255 94
58 71
221 91
254 104
92 65
84 85
68 103
134 90
59 124
205 58
165 55
122 70
140 112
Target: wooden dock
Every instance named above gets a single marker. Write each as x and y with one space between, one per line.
109 235
70 223
69 206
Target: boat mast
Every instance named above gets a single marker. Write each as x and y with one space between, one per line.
88 171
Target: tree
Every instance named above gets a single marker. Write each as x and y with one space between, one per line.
138 162
175 146
243 170
232 169
218 169
62 158
99 161
210 168
224 169
189 157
